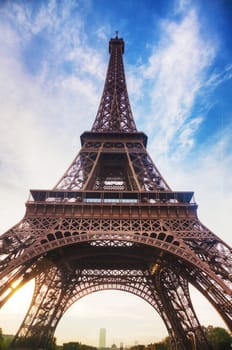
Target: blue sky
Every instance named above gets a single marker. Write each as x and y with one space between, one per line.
53 61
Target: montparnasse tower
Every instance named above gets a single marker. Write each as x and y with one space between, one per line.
102 338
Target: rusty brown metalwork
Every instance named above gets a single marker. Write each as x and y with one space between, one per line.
112 222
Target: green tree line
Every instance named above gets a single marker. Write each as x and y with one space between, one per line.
217 336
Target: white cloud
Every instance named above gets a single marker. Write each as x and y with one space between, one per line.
217 78
181 6
87 61
207 175
186 139
175 74
134 85
42 115
102 33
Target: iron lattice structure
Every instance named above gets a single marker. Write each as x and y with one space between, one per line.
112 222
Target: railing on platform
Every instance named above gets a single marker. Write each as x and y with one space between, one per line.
59 196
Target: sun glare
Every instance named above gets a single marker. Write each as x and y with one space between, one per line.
13 312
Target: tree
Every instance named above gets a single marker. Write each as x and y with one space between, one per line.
52 344
219 338
77 346
5 340
1 340
137 347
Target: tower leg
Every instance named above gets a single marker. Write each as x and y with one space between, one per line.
36 331
186 332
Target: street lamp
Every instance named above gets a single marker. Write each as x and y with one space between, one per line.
192 339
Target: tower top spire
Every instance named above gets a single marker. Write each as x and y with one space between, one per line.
114 113
116 42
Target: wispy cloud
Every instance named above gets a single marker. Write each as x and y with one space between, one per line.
181 6
207 175
218 78
174 75
40 108
43 111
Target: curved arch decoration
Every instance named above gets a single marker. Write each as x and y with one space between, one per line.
157 233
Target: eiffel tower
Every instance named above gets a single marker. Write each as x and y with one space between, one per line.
112 222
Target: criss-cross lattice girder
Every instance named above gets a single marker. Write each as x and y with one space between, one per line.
114 113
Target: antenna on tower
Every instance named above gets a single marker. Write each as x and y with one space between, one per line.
116 34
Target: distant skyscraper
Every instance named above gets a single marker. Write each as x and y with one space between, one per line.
102 338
